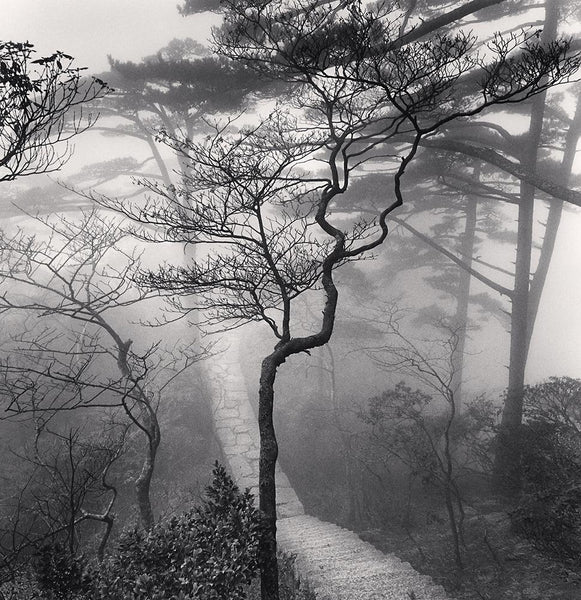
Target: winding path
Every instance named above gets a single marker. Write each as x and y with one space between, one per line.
335 561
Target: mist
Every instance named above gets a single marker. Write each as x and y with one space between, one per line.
324 253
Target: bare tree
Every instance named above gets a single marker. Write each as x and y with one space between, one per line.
41 105
444 444
268 224
67 484
79 280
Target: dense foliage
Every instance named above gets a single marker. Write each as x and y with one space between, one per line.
210 553
61 575
549 511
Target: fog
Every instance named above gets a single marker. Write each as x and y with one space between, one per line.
131 30
158 298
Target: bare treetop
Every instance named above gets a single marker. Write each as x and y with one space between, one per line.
41 104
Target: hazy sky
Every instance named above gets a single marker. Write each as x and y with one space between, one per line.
89 30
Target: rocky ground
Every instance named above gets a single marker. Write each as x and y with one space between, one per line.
498 565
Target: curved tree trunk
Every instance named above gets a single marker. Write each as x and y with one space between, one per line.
267 484
143 482
148 424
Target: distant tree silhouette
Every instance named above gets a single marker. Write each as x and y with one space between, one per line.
77 357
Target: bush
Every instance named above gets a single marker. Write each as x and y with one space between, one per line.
208 553
60 575
549 511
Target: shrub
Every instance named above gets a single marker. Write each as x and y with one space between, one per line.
59 574
208 553
549 511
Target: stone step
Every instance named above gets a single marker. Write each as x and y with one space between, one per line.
336 562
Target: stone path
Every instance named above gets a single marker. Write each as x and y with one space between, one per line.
335 561
341 566
237 429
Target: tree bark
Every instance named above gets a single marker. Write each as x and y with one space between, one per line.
463 300
268 445
143 481
507 468
267 484
507 460
553 222
518 170
149 426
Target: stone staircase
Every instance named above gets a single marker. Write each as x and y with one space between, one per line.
335 561
340 566
237 429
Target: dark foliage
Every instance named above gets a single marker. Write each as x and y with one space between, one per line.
549 511
60 575
180 84
210 553
41 104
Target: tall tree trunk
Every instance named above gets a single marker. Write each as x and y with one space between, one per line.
267 484
268 445
463 300
507 463
553 221
147 423
507 475
507 460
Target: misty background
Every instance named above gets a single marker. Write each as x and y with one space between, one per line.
333 403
